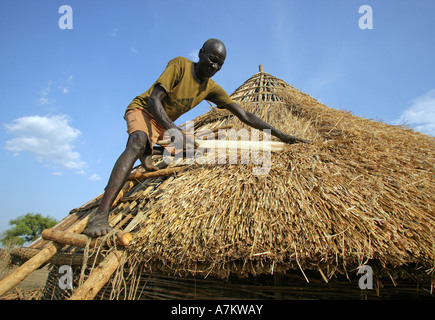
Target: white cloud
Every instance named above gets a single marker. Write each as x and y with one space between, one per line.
44 95
43 101
194 55
114 32
134 50
49 139
421 114
66 84
94 177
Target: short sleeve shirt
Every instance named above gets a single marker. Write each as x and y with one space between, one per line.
184 90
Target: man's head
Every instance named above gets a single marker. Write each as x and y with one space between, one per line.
211 58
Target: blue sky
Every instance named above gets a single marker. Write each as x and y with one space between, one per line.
64 91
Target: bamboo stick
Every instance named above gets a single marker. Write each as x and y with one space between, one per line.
14 278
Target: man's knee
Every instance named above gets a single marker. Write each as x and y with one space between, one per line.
138 142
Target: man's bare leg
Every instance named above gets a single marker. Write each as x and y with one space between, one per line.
137 145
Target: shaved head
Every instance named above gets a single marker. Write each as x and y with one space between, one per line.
211 59
215 45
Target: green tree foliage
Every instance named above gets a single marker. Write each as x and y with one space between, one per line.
26 229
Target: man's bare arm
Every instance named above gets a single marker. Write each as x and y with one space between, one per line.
158 111
255 122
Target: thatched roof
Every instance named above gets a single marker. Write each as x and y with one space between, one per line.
361 190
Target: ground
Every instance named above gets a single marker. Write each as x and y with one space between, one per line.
28 286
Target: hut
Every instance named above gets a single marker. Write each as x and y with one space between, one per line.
349 215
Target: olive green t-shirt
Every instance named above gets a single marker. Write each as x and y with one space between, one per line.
184 90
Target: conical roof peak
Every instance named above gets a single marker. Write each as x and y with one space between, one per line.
261 87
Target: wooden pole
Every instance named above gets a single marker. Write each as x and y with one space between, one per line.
236 144
27 268
100 275
98 278
81 240
155 174
215 130
38 260
71 259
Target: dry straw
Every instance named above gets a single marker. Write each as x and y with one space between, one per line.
361 190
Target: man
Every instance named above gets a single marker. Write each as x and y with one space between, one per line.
181 87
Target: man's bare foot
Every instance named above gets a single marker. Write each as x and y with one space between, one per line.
97 226
147 162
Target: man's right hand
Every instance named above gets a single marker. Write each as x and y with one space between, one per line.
189 141
291 139
181 141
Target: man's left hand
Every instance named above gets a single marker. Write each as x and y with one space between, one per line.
291 139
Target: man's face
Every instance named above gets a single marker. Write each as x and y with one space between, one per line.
211 60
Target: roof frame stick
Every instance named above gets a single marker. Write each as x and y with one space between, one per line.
80 240
154 174
22 272
101 274
98 277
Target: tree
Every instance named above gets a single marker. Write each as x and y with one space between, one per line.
26 229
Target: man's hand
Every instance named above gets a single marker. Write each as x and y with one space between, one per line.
182 142
252 120
291 139
189 141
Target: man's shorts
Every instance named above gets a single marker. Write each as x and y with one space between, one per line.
142 120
